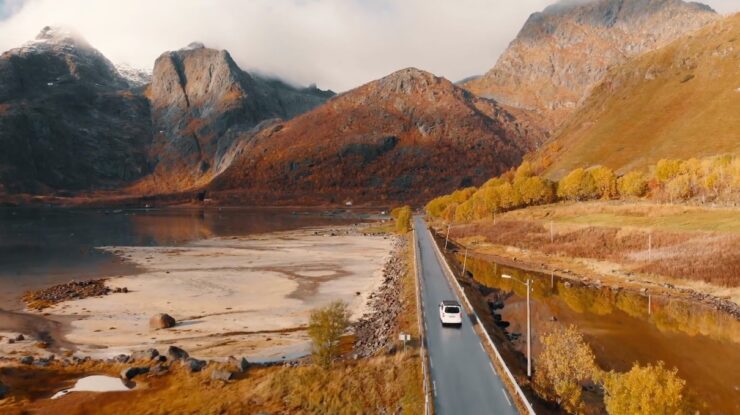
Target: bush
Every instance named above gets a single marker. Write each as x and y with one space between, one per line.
606 181
402 216
577 185
564 365
633 184
325 327
646 390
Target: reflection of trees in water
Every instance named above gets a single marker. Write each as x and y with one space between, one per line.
667 315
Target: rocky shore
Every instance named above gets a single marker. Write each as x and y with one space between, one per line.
375 330
73 290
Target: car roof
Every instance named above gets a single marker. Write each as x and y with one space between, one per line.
451 302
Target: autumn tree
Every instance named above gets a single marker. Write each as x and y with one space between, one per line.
644 390
605 180
325 328
402 217
667 169
633 184
577 185
565 364
679 187
534 190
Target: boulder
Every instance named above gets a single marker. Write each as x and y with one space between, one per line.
240 365
148 354
3 391
131 372
176 353
223 375
19 338
161 321
159 369
26 360
195 365
122 358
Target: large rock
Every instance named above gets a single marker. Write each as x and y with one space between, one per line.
3 391
26 360
162 321
195 365
223 375
176 353
240 365
131 372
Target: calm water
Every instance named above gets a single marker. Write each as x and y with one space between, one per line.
623 327
40 247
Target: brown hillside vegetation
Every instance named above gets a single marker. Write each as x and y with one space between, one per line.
680 101
408 135
566 49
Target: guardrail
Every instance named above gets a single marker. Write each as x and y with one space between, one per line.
456 283
422 334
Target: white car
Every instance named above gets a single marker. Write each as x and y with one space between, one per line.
450 313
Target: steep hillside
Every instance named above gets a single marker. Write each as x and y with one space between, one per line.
563 51
201 102
67 118
407 135
680 101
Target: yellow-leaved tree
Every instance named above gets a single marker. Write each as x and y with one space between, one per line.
325 327
577 185
644 390
564 365
402 216
605 180
633 184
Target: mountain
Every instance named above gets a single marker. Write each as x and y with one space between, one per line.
408 135
201 103
563 51
680 101
67 118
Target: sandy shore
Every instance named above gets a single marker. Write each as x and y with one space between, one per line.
247 296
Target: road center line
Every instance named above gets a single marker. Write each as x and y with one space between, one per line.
506 396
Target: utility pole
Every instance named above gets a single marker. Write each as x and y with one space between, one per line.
447 237
465 261
529 322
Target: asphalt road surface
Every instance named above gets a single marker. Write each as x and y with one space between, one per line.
463 378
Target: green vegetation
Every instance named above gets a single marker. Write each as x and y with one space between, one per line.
402 217
567 364
325 328
715 179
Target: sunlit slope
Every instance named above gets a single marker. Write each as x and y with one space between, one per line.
680 101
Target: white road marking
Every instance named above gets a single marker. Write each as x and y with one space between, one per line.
492 369
506 396
481 347
434 386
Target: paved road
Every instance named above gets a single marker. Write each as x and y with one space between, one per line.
463 377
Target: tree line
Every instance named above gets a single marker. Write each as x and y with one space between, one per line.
712 179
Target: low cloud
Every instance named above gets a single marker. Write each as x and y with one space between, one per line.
338 44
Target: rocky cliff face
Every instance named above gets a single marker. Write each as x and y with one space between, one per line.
67 120
563 51
410 134
201 103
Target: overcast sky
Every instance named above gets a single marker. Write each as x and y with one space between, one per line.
337 44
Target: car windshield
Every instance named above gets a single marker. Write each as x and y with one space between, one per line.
452 310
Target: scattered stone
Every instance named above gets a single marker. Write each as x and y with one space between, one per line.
148 354
240 365
195 365
161 321
131 372
19 338
122 358
26 360
3 391
223 375
567 284
176 353
72 290
11 341
159 369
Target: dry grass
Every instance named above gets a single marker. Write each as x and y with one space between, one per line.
708 257
679 101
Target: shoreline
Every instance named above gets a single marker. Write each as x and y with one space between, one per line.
231 295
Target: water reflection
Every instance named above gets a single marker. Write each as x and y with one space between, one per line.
39 247
625 327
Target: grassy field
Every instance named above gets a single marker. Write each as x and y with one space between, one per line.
684 243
